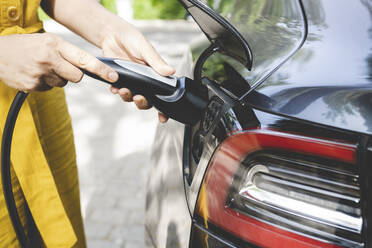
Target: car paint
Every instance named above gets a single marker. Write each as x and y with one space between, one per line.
168 219
329 80
323 90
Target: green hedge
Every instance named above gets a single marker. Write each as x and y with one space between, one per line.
158 9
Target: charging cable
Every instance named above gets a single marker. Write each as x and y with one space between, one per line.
6 178
180 98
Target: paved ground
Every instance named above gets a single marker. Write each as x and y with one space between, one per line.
113 141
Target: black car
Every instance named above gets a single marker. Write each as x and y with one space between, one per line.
282 157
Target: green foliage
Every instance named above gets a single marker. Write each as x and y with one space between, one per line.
221 6
110 5
42 15
158 9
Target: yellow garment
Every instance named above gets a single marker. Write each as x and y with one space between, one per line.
43 153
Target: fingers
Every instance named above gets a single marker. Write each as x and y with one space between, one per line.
67 71
84 60
38 87
126 95
155 61
114 90
141 102
53 80
162 118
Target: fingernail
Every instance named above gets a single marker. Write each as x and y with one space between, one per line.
163 119
169 69
113 76
143 103
123 91
139 102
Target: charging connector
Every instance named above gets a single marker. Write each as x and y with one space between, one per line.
181 99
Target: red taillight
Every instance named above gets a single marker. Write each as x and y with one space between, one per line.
275 189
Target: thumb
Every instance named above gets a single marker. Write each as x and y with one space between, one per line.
153 59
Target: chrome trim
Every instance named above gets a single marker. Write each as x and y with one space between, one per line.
302 209
177 94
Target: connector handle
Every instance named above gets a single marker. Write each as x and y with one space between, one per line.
181 99
140 79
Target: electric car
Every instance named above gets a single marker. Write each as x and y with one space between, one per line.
282 155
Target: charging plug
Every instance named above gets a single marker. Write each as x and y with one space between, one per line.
179 98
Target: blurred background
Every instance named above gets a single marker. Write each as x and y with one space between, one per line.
113 139
142 9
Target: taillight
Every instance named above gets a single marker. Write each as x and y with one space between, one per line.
275 189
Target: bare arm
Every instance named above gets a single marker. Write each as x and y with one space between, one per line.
116 37
87 18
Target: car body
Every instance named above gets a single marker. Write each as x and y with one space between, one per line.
282 155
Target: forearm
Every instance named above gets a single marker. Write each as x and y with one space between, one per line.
116 37
87 18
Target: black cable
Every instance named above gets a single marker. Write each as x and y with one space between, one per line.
5 168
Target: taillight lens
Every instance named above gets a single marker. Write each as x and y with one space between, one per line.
275 189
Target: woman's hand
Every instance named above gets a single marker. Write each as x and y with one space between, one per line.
38 62
124 41
116 37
